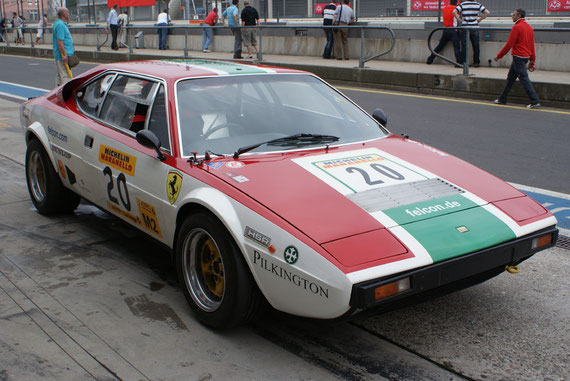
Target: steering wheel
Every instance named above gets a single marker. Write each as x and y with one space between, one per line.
229 126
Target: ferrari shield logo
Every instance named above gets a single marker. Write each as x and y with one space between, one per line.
173 185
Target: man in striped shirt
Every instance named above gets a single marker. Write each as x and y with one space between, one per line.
470 14
328 15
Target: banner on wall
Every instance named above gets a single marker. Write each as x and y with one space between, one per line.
558 5
130 3
320 7
427 5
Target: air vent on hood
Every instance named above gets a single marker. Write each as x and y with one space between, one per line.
393 196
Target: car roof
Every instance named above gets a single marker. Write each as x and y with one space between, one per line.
175 69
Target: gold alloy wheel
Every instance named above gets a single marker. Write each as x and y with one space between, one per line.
203 270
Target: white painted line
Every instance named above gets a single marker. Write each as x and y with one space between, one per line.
27 87
13 96
542 191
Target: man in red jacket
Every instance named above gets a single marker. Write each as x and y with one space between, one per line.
447 35
521 41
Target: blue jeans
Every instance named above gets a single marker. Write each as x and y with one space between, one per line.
330 40
474 37
162 33
207 36
518 70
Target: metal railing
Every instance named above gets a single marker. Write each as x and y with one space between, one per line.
130 32
466 45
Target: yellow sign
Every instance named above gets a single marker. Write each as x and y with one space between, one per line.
173 185
148 216
117 159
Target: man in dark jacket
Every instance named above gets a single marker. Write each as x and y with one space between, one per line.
328 16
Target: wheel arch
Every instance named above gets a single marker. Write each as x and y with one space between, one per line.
217 204
37 131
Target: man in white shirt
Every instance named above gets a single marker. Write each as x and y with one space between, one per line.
163 20
123 21
113 24
343 15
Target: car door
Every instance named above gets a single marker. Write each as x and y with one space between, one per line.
132 181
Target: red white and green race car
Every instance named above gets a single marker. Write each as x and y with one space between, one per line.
268 183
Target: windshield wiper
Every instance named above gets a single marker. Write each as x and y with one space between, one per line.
297 140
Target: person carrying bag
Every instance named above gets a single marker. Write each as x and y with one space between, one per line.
343 15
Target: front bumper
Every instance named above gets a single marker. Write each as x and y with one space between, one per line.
451 275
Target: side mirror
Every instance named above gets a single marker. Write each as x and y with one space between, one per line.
380 116
148 139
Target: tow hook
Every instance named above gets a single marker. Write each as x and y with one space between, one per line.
512 269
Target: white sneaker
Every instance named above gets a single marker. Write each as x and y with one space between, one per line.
250 56
206 51
499 102
533 105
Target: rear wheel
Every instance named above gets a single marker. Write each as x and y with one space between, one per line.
46 190
212 272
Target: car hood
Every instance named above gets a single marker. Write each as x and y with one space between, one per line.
345 191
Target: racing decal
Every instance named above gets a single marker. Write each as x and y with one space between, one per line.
216 165
117 159
290 276
58 151
462 229
234 164
121 190
56 134
291 254
257 236
119 201
406 199
237 178
148 217
173 185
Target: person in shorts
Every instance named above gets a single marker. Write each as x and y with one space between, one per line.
249 20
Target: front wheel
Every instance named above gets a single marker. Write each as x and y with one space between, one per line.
46 190
212 272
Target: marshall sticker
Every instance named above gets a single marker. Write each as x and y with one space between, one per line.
290 276
149 220
257 236
117 159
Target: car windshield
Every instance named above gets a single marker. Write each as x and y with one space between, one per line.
224 114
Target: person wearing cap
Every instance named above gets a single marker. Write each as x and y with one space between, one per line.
207 31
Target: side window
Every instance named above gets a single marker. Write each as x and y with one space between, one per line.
91 97
158 121
127 103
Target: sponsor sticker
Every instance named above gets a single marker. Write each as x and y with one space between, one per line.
216 165
148 217
55 149
290 276
173 185
462 229
56 134
291 254
234 164
257 236
117 159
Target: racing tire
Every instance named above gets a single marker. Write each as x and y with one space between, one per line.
213 274
46 190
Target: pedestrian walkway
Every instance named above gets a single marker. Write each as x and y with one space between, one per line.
485 82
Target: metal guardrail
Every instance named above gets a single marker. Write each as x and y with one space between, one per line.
466 43
130 35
